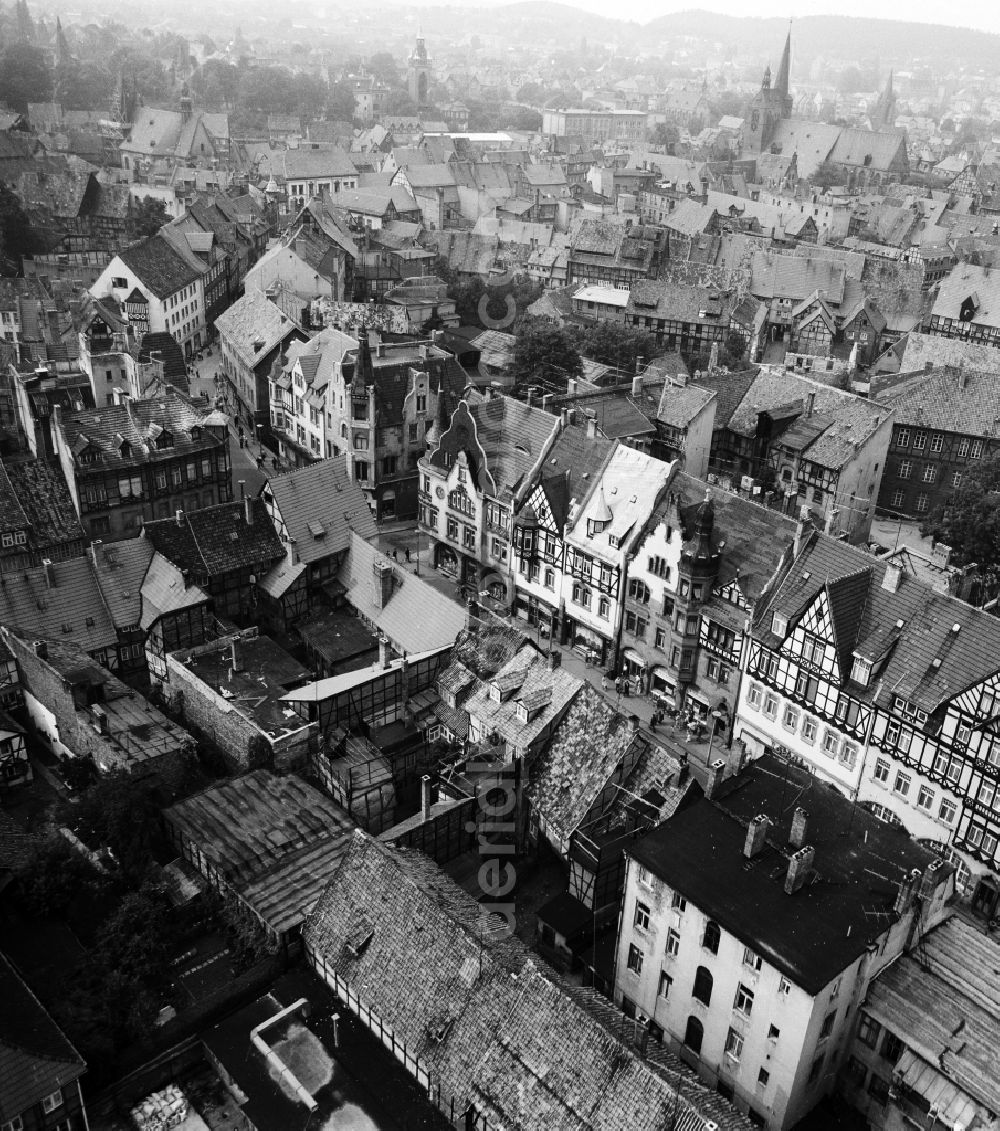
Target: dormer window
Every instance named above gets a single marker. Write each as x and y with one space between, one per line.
595 526
165 440
861 673
779 624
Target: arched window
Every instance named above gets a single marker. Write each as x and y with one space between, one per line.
693 1035
712 936
703 986
343 431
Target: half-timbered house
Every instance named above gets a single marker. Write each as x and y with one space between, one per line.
889 690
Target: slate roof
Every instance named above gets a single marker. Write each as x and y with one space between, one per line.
321 505
795 277
686 302
871 149
165 590
12 516
571 467
73 609
121 569
924 351
416 618
811 142
159 266
254 326
511 1040
35 1056
139 423
907 667
814 934
689 218
276 839
430 176
217 540
966 402
680 404
943 1001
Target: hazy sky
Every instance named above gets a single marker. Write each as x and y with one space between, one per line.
982 14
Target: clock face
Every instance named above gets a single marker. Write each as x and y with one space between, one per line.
440 492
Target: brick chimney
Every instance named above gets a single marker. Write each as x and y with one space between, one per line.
756 836
50 573
383 651
800 822
799 867
248 510
930 879
591 427
425 797
907 890
179 517
714 776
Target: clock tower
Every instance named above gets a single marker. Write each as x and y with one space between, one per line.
418 72
771 104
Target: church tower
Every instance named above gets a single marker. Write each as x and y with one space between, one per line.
418 72
771 104
883 115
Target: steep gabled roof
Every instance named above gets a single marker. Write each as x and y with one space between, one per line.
160 266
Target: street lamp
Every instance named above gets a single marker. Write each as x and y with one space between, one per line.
714 716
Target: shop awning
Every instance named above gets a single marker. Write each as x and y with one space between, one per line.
588 635
663 680
635 657
951 1104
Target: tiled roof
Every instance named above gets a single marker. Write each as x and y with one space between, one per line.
430 176
689 218
795 277
571 468
849 420
139 423
481 1014
928 618
275 839
811 142
217 539
254 326
868 148
922 351
965 281
416 617
159 266
321 505
814 934
667 298
73 609
309 162
35 1056
680 404
941 999
12 516
164 590
121 569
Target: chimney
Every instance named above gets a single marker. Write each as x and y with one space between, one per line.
907 888
591 427
636 386
714 776
963 377
248 509
234 654
799 866
50 573
810 401
95 549
797 541
425 797
41 649
529 396
571 387
383 651
756 836
831 518
800 822
547 402
382 580
891 578
930 880
243 488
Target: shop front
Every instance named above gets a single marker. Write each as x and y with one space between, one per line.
635 668
587 643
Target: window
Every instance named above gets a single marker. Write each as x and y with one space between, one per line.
754 695
663 990
905 467
963 448
703 982
868 1030
956 479
762 1077
734 1045
856 1071
770 705
903 437
773 1033
878 1089
903 783
881 774
743 1002
816 1070
977 449
16 1124
694 1034
790 718
634 961
779 624
361 470
673 942
660 640
923 501
809 729
638 590
987 791
421 402
712 937
52 1101
937 442
641 917
831 742
784 987
930 473
679 903
892 1047
897 498
827 1027
118 282
919 441
925 798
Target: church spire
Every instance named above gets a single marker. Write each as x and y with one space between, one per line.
781 82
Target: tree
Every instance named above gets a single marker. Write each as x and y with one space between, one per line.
612 343
665 136
56 878
260 753
340 105
216 82
383 66
17 239
827 175
119 813
148 217
544 352
969 521
24 75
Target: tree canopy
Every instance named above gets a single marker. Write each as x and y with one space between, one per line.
969 521
612 343
544 352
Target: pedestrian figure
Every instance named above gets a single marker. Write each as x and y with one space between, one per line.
407 553
394 557
604 683
274 462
